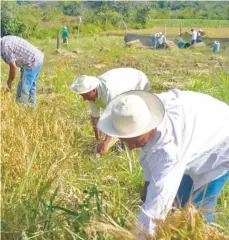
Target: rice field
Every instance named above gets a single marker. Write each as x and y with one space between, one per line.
53 186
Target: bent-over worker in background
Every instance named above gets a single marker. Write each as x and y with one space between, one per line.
99 91
17 52
200 35
158 40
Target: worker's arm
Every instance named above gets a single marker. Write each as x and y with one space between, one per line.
12 74
95 114
104 145
108 139
143 82
166 173
94 121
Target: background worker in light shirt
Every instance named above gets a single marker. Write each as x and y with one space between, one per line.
194 36
184 141
157 40
99 91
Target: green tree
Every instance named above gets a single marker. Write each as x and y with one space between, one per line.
111 17
228 12
10 24
160 14
140 15
29 18
19 20
70 8
187 13
88 15
52 13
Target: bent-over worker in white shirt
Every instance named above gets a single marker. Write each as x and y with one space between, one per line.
184 141
99 91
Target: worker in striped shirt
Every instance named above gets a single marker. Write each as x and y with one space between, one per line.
17 52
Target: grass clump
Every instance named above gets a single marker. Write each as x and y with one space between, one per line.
188 223
184 224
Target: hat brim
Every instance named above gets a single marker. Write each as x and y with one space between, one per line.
85 91
156 108
82 92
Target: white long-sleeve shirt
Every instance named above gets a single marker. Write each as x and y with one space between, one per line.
115 82
193 139
194 35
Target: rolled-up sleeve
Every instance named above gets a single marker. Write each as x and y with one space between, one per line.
95 109
166 173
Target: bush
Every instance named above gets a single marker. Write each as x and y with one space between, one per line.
90 29
43 33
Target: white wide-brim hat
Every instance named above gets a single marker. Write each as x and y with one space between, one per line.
132 114
84 84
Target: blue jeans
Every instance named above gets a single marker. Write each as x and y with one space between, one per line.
193 42
204 198
154 41
26 89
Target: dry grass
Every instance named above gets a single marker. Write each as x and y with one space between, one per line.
186 224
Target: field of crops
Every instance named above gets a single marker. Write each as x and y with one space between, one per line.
53 186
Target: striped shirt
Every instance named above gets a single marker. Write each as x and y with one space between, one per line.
23 53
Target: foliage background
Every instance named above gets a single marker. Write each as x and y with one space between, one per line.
27 18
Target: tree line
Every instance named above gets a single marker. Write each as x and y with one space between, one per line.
25 17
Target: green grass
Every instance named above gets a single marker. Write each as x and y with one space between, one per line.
52 183
214 85
201 23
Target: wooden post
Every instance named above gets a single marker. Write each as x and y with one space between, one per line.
78 30
80 21
58 40
125 26
164 35
180 29
106 24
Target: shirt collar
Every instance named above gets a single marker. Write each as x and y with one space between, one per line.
152 141
160 137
